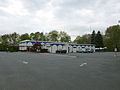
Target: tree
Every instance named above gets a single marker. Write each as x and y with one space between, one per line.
0 39
112 37
5 39
53 35
64 37
14 38
37 36
25 37
42 37
87 38
32 36
46 36
99 40
77 40
93 37
80 40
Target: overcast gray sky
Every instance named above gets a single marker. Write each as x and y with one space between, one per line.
76 17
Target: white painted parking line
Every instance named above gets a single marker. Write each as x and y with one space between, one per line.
83 64
24 62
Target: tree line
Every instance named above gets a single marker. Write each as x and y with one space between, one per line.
111 39
54 35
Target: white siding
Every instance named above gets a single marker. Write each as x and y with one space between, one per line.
78 48
60 47
71 49
65 47
29 44
54 48
93 47
74 49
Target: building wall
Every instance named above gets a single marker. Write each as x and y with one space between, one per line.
74 48
60 47
57 46
71 49
53 48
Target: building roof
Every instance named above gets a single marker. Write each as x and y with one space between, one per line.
56 43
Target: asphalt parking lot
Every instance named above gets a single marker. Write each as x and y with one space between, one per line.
75 71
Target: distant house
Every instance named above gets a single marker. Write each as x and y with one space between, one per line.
53 47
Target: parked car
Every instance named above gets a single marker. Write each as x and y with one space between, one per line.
84 50
61 51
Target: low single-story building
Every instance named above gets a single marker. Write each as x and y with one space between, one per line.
52 47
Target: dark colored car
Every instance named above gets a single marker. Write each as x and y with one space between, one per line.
61 51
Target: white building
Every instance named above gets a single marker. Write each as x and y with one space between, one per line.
56 46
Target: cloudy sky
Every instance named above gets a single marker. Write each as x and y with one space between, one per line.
76 17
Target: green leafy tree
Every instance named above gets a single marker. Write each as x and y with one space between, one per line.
32 36
112 37
93 37
99 40
64 37
53 35
46 36
77 40
80 40
25 37
87 38
0 40
42 37
14 38
38 36
5 39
